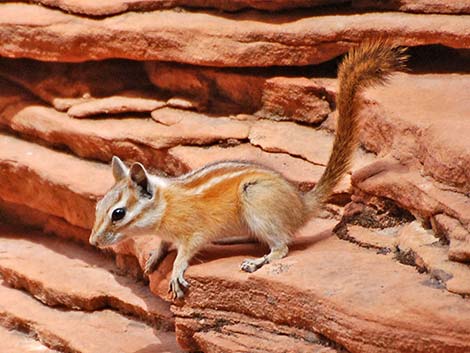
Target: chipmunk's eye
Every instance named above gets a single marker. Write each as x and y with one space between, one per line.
118 214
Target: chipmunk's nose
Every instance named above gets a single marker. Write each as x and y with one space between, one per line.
93 240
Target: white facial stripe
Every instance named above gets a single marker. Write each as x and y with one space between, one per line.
158 181
131 213
143 214
103 226
152 216
216 180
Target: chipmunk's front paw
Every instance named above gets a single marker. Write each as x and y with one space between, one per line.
177 285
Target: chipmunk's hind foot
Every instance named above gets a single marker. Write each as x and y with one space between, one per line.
251 265
276 253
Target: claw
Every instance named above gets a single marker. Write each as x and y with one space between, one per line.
176 287
148 270
150 264
183 282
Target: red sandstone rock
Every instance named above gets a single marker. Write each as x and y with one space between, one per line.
186 123
76 331
416 117
299 141
388 336
111 7
211 39
196 329
298 99
132 138
372 238
425 6
30 181
248 90
328 286
139 138
403 184
26 179
429 254
311 144
245 338
82 279
114 105
182 103
241 333
226 90
459 237
64 85
16 341
18 214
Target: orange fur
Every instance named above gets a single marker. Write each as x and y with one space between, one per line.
232 198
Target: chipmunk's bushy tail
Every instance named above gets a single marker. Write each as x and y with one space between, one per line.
364 66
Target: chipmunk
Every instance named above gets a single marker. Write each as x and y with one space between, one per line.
236 197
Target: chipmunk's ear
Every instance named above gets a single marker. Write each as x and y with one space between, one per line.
120 170
139 176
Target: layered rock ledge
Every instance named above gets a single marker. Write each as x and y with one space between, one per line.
111 7
78 331
206 38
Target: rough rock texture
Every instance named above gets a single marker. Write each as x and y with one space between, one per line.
427 180
114 105
421 196
78 331
382 239
247 90
240 337
64 85
24 173
210 39
302 99
77 86
458 236
144 140
14 342
29 165
227 90
428 253
337 299
132 138
29 261
428 117
285 137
